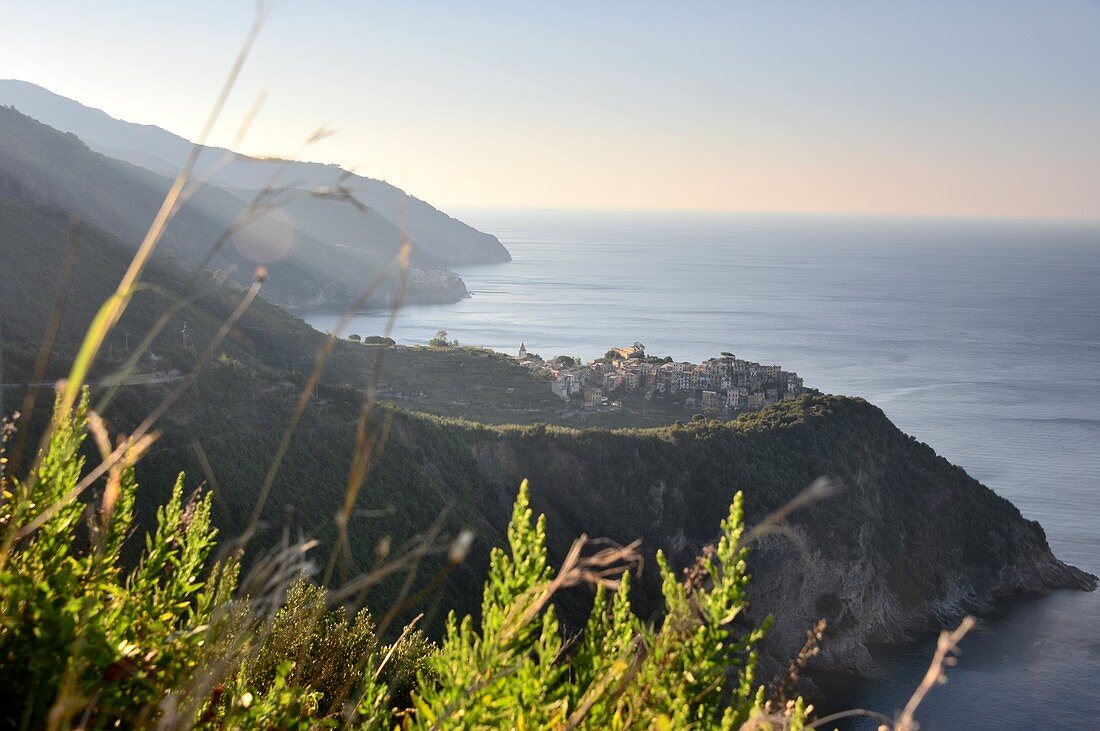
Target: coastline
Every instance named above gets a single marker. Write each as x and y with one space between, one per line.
890 322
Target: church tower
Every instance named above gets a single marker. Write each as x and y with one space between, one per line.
522 352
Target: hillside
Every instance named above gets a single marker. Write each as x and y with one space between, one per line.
912 542
445 240
40 166
33 243
465 382
243 400
47 171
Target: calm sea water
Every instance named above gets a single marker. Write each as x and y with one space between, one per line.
979 338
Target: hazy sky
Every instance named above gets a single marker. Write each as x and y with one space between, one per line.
953 107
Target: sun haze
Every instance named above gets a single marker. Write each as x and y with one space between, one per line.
977 108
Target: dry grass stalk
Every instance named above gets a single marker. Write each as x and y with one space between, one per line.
303 401
819 489
46 348
947 647
261 203
369 441
112 310
109 314
812 647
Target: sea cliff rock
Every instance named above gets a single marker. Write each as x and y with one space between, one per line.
910 543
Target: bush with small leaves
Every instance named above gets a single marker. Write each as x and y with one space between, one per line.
78 635
691 670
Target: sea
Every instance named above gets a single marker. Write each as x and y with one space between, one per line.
979 337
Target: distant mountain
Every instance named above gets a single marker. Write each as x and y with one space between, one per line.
41 166
446 240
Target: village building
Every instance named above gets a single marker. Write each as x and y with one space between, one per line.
726 384
710 401
593 397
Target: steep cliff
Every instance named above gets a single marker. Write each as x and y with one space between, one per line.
911 541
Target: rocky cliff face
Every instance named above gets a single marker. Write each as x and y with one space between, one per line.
910 543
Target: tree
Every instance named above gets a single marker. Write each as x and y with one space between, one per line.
440 340
354 337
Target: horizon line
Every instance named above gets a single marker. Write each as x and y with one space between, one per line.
975 217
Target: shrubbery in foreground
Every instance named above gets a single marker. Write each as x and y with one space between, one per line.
174 642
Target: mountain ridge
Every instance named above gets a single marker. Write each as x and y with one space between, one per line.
43 166
447 240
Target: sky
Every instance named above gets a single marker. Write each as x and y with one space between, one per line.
926 107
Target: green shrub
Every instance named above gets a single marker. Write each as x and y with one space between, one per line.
440 341
84 642
77 634
690 670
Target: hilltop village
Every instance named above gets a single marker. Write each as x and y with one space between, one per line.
722 385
